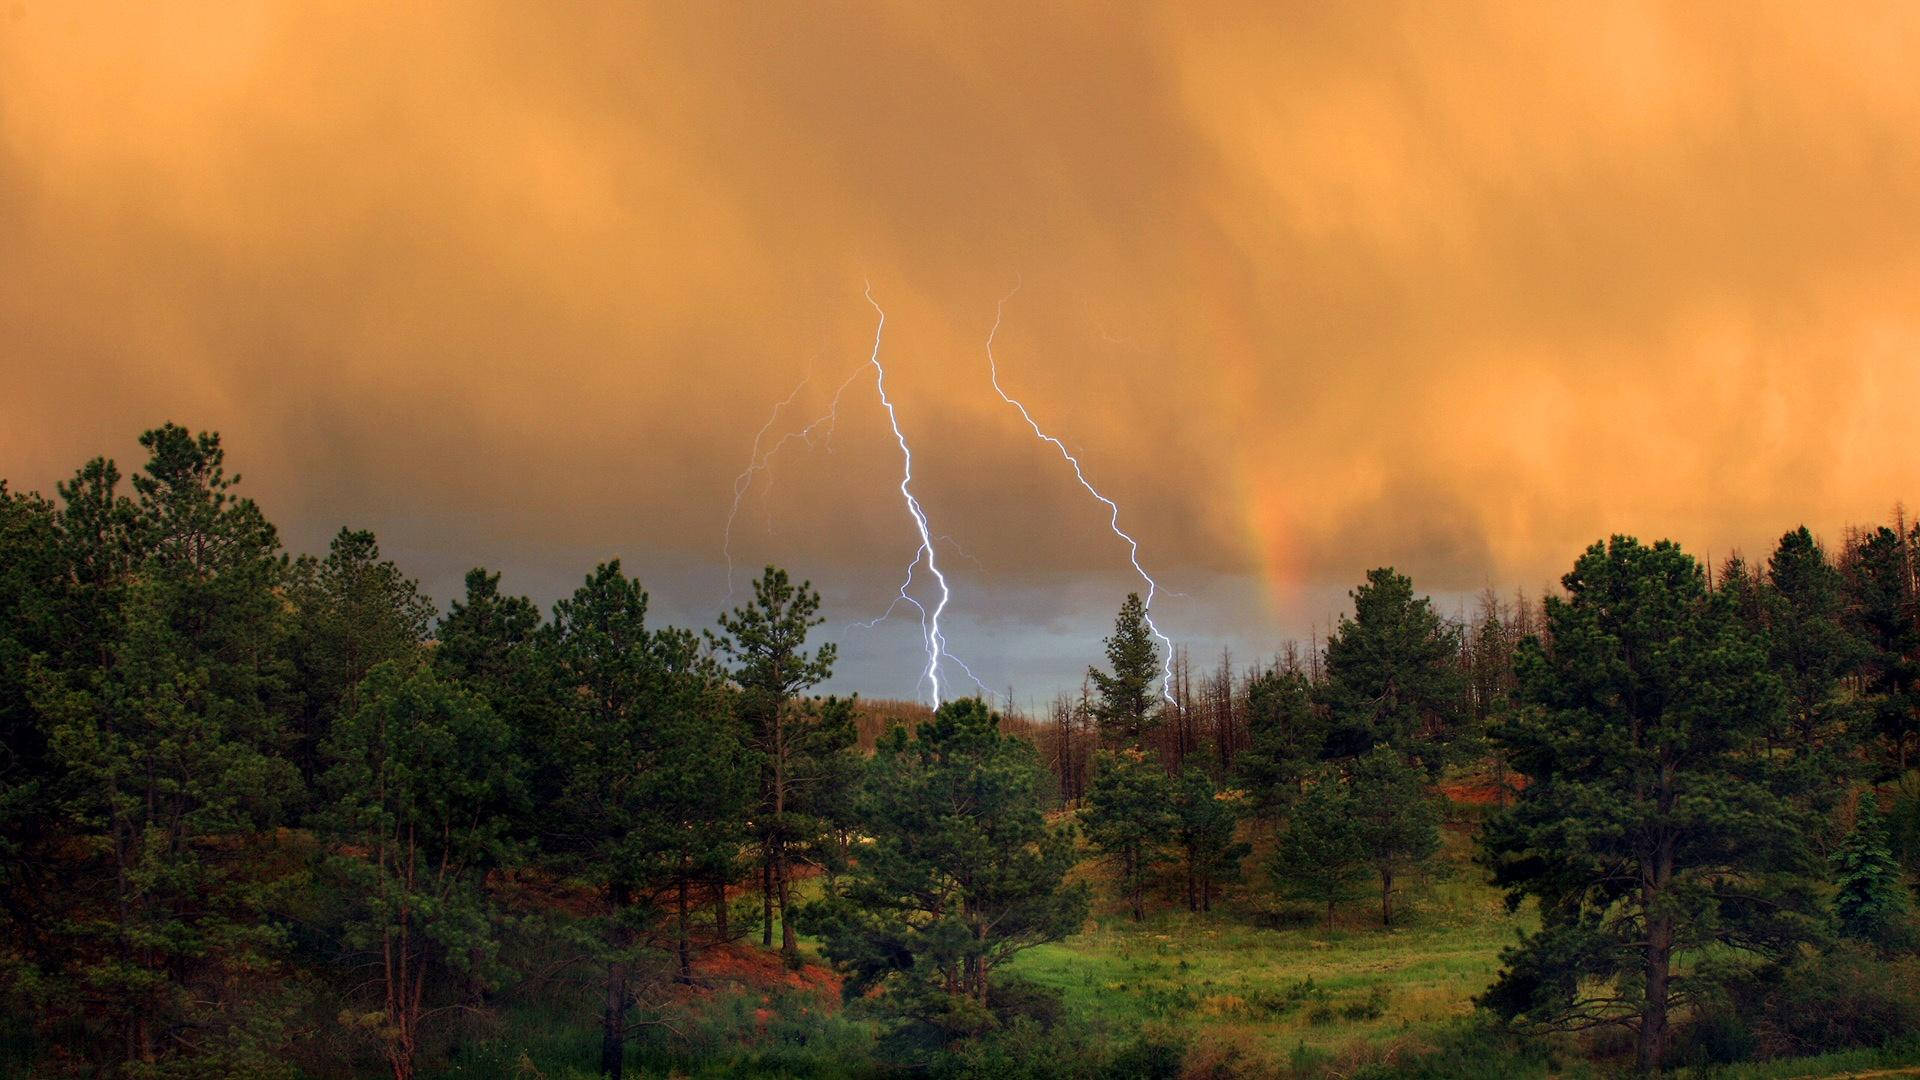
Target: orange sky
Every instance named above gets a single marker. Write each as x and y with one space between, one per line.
1312 287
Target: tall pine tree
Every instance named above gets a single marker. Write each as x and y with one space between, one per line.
1125 710
766 640
1655 827
1393 676
962 872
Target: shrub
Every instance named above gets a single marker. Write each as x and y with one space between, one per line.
1842 998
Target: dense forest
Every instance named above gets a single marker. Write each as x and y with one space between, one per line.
265 815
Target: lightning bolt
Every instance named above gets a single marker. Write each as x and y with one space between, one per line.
1113 508
759 463
929 620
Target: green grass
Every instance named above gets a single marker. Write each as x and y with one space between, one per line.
1275 990
1890 1061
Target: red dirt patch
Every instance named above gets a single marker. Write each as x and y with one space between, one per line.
762 969
1481 792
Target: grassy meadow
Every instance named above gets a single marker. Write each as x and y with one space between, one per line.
1271 981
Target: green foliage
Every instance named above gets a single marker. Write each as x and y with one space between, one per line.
1319 857
1842 998
1870 901
1128 818
656 784
1652 829
352 612
766 641
1204 820
1396 821
1881 606
1903 822
1392 675
960 874
1286 732
1810 649
1125 710
162 742
494 646
417 776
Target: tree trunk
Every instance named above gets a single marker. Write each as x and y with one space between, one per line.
789 944
613 1024
766 894
613 1020
1655 881
1653 1014
686 925
1329 916
1386 898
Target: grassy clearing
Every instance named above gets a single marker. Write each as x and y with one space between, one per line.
1275 990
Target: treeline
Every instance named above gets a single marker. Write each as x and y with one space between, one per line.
271 816
1687 771
255 803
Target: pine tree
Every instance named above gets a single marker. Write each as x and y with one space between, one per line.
697 785
1204 820
1397 820
1652 828
34 598
1810 649
1870 900
1882 608
961 874
166 738
352 611
1129 819
496 646
1287 732
766 641
602 653
1125 710
1318 857
1393 675
416 780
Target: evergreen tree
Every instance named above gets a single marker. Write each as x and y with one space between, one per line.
165 739
1393 675
1318 857
416 776
1652 828
1125 711
34 596
639 731
353 611
494 646
1397 820
766 641
1903 822
1882 608
1810 648
700 784
1204 820
1129 819
825 777
1870 900
961 873
1286 733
